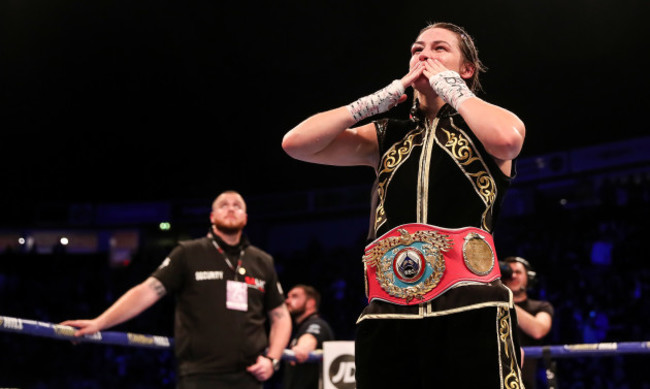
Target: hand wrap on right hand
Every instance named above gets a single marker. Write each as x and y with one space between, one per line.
378 102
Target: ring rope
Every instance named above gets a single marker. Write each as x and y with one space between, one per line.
57 331
588 349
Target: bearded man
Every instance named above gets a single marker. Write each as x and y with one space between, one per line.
225 290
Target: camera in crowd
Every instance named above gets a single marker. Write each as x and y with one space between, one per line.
506 270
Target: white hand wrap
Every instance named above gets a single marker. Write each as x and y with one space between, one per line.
451 88
378 102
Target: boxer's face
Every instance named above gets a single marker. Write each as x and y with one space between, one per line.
442 45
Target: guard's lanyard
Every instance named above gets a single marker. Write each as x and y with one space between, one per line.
241 255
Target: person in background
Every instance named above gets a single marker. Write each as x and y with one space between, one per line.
226 289
534 317
310 330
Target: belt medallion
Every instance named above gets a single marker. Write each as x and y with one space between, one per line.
411 264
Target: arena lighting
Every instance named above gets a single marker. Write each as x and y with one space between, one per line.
165 226
64 241
21 241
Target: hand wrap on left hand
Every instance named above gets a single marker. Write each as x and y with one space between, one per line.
451 88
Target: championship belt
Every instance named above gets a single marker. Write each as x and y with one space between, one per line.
414 263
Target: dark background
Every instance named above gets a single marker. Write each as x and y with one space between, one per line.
148 101
156 100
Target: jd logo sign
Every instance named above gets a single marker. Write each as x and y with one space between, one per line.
341 372
338 365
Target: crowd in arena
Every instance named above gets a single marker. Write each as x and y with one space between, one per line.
588 252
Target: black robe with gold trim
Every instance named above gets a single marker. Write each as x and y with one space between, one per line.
436 173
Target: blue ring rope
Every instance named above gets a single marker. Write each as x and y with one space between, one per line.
588 349
57 331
